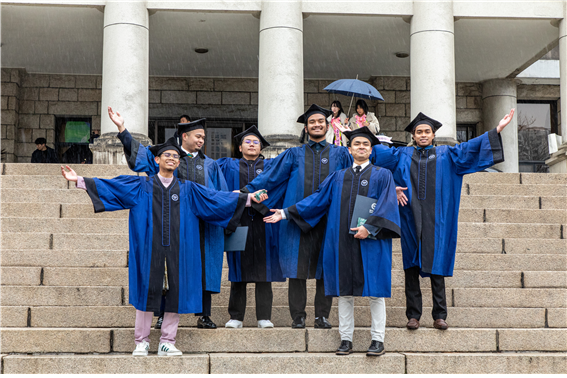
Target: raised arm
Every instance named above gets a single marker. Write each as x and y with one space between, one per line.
277 174
385 157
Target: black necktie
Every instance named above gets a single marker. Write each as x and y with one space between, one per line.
357 169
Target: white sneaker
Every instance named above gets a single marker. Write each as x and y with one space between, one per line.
233 323
265 324
168 349
141 349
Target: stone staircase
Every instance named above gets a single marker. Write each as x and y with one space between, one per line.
64 294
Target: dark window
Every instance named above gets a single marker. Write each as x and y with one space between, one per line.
466 132
72 138
536 120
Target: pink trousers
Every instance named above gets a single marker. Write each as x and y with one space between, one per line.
144 325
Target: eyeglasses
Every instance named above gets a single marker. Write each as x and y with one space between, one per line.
249 141
169 154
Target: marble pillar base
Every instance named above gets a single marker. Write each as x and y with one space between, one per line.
107 149
279 143
557 162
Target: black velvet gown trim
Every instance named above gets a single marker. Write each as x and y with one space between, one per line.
93 194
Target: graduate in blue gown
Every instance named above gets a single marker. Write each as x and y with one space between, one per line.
195 167
301 170
353 264
164 249
433 176
259 263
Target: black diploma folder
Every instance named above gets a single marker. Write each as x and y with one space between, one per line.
363 208
237 240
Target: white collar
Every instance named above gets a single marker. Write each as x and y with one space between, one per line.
362 166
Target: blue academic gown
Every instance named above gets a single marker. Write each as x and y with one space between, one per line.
353 267
201 170
300 170
260 260
434 176
164 225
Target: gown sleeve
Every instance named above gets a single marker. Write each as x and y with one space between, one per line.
384 223
309 211
277 174
478 153
139 157
385 157
119 193
222 209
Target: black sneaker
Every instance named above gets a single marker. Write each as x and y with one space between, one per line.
376 348
298 323
205 322
159 322
322 322
345 348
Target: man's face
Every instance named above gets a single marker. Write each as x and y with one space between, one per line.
316 126
249 148
41 147
183 120
194 140
423 135
360 148
167 160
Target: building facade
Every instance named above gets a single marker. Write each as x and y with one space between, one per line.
239 63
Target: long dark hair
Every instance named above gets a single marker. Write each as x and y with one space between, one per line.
362 105
337 103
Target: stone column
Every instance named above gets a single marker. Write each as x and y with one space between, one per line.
125 77
432 54
558 161
498 97
280 76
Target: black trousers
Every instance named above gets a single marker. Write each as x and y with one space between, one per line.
206 304
297 297
237 301
413 295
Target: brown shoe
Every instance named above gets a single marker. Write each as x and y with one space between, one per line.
413 324
440 324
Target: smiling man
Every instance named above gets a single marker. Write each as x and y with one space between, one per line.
433 176
166 256
354 265
299 171
195 167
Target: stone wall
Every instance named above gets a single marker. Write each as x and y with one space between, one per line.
30 103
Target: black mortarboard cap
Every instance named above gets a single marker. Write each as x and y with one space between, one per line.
251 131
313 109
186 127
422 119
170 144
362 132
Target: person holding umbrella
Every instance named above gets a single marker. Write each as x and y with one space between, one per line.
364 118
339 124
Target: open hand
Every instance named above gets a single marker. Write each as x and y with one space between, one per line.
402 199
117 119
259 196
505 121
69 176
362 232
274 218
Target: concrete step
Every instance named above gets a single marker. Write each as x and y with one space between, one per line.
124 317
523 216
86 170
292 363
526 297
21 276
499 202
544 179
34 182
86 211
278 340
31 210
45 195
63 258
510 230
70 225
64 241
61 296
517 190
509 262
492 178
